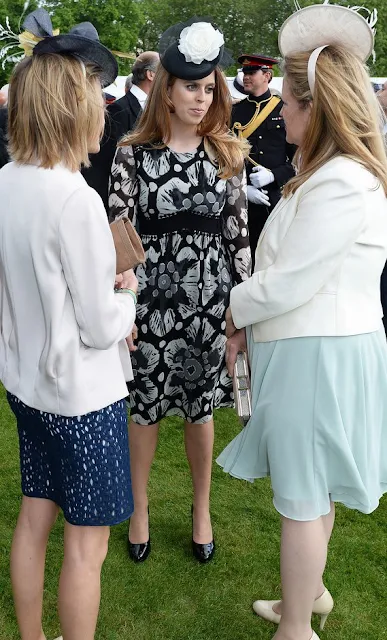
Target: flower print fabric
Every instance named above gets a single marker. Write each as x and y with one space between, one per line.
193 226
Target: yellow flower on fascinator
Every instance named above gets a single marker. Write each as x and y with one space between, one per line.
38 38
37 26
28 40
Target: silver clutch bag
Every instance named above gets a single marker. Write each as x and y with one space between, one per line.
241 383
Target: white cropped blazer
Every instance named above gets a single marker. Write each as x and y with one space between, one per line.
62 328
319 259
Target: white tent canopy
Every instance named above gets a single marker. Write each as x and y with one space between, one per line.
118 88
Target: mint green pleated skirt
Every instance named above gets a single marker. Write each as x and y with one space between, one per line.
319 423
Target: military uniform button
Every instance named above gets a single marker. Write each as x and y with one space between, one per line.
260 137
278 126
261 152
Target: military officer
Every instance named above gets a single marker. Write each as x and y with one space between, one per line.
258 119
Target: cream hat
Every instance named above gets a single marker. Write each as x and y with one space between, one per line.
321 25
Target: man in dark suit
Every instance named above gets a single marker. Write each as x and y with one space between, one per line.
258 119
121 118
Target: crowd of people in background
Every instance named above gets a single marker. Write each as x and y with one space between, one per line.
263 219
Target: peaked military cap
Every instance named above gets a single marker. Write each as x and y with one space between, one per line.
255 61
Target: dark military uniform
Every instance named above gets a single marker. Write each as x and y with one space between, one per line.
268 148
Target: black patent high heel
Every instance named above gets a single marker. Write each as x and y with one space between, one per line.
202 552
139 552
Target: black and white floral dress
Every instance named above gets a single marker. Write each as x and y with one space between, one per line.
193 226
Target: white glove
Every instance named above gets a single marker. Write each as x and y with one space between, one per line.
260 177
257 196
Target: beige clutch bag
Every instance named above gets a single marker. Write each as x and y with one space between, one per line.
129 249
241 384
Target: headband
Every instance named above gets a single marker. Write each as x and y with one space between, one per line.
312 67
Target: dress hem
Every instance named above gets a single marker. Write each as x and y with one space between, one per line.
333 497
110 523
173 412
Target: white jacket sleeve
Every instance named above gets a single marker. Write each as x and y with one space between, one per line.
329 219
89 260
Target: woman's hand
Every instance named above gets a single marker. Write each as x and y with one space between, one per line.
118 281
230 326
126 280
233 345
129 280
130 339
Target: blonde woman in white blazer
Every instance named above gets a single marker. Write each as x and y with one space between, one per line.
313 317
63 357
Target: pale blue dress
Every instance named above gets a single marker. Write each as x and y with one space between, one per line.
318 424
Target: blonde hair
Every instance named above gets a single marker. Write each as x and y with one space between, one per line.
55 110
345 117
154 127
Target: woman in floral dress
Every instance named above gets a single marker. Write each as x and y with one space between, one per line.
180 177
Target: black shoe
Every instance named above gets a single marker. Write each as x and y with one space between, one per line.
138 552
202 552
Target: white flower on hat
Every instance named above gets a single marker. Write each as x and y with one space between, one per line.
201 41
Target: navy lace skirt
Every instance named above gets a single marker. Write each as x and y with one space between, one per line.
81 463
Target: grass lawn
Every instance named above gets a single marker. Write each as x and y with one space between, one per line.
171 597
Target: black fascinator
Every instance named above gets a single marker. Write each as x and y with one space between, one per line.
191 50
82 42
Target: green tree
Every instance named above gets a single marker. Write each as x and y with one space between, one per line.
134 25
13 9
249 25
379 67
118 22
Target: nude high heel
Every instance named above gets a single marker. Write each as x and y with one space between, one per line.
322 607
264 609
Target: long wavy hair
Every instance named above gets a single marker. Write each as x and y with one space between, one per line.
345 119
154 128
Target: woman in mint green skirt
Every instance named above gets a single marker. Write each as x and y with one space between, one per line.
312 313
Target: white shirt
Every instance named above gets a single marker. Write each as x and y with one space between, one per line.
319 259
61 324
139 94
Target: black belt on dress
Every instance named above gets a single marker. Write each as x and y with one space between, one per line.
178 222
